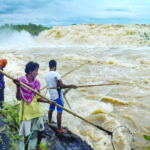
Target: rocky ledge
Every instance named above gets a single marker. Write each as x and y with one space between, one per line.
52 139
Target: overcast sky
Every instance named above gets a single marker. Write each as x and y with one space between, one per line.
66 12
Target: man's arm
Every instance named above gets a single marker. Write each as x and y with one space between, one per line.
45 101
18 93
42 100
60 83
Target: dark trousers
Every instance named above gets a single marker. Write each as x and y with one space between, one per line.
1 96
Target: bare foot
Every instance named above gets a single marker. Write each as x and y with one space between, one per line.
51 123
62 130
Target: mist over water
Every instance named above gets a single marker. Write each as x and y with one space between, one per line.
105 54
10 39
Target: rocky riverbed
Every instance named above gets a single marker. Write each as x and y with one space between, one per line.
52 140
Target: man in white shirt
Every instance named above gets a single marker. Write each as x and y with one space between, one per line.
53 79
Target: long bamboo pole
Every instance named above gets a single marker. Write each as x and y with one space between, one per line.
50 101
64 95
90 85
73 69
67 102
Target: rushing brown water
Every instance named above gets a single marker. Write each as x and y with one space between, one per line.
110 53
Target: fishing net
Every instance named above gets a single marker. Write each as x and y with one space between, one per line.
122 139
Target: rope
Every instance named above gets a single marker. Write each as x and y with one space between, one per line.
106 93
64 94
46 92
31 134
74 69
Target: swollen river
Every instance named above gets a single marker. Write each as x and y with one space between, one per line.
100 54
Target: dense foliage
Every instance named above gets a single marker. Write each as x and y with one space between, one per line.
146 137
31 28
11 120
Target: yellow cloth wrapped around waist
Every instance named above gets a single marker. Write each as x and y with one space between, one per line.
30 111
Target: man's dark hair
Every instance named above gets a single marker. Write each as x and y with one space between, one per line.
31 66
52 63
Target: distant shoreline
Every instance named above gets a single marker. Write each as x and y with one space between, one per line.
35 29
31 28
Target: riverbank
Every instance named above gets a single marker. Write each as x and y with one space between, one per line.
52 140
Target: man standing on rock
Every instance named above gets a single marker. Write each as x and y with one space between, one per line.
30 111
3 63
53 79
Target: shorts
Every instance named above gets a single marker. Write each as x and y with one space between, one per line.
59 102
27 126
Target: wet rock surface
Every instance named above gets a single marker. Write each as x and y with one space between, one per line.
63 141
4 140
52 139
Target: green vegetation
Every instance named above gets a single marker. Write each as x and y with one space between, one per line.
43 146
31 28
11 120
146 137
